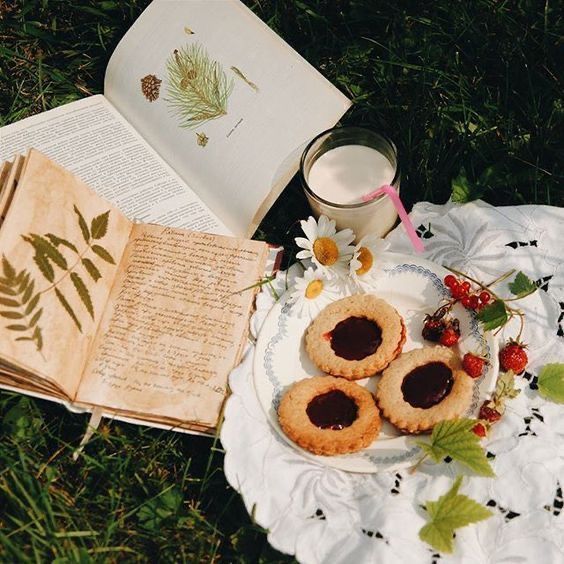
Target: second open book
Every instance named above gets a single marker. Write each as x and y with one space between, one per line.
143 321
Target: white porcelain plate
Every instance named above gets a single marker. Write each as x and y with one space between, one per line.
414 287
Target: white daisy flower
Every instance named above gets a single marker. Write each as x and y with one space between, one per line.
330 251
313 292
364 264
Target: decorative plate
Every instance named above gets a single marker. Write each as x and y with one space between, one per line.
414 287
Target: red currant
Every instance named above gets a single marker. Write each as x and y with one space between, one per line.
458 292
466 302
485 297
466 286
450 281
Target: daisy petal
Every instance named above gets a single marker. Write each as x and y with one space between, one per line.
309 227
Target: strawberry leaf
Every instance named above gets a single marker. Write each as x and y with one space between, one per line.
456 439
493 315
522 285
551 382
448 513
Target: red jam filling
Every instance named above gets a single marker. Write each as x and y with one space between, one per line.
356 338
427 385
333 410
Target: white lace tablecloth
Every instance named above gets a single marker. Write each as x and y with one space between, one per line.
321 514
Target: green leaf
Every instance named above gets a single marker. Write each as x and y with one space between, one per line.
462 190
17 327
456 439
82 292
8 270
8 302
43 246
522 285
99 225
7 291
57 241
82 225
23 421
32 304
164 507
35 318
38 338
551 382
103 254
44 266
448 513
493 315
68 308
91 269
505 386
11 314
28 292
24 278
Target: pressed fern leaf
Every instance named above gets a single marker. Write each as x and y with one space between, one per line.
43 246
82 292
68 308
58 241
198 88
91 269
99 225
7 269
44 266
82 224
102 253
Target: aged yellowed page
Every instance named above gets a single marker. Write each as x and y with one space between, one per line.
8 189
174 325
60 246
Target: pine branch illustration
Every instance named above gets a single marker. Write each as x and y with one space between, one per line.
19 303
198 88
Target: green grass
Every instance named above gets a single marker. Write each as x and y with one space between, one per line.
462 87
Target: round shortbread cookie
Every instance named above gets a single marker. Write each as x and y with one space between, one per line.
320 343
297 424
423 387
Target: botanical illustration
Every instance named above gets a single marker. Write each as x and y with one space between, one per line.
244 78
198 87
19 297
151 87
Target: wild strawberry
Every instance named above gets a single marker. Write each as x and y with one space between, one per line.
513 357
449 337
473 365
480 430
489 413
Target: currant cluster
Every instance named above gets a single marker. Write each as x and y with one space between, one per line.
440 328
461 290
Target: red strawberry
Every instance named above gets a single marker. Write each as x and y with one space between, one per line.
489 413
480 430
513 357
449 337
473 365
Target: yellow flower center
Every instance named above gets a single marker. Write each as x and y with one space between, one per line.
313 289
326 251
366 260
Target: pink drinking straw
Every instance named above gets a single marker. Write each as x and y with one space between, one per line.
392 193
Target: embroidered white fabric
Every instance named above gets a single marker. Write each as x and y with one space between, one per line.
324 515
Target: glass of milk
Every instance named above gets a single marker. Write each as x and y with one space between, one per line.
343 164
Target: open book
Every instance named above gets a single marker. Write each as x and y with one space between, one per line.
140 320
203 116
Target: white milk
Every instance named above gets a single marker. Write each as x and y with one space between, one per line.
342 176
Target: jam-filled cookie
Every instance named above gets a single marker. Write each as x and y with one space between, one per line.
422 387
355 337
327 415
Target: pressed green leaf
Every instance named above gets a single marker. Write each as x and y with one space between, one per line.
28 292
68 308
57 241
5 281
24 281
24 339
32 304
43 246
505 386
448 513
8 270
522 285
35 318
99 225
38 338
551 382
17 327
82 225
82 292
8 302
11 314
493 315
7 291
103 254
456 439
91 269
44 266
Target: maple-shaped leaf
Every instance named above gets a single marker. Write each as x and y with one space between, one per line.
456 439
450 512
522 285
493 315
551 382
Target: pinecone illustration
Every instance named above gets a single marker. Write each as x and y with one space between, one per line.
150 86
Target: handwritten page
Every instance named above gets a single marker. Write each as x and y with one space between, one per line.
174 325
